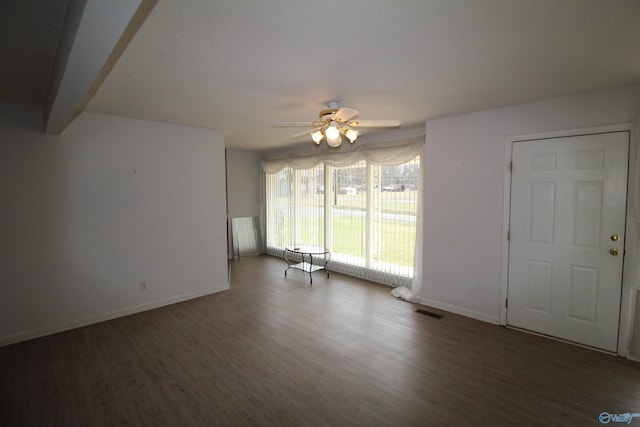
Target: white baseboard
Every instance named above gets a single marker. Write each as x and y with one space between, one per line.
65 326
461 311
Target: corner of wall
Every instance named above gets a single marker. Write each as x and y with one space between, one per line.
484 317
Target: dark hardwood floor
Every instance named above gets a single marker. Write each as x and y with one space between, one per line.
276 351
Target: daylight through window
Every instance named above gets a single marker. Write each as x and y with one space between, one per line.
364 212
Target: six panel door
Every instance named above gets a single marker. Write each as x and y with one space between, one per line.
568 203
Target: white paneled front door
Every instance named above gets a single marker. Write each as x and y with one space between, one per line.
568 203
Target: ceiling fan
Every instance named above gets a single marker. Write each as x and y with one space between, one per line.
334 122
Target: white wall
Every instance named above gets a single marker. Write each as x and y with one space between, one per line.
464 185
244 181
87 216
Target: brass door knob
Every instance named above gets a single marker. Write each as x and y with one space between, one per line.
615 237
613 251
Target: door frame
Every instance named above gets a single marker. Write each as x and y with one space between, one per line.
627 302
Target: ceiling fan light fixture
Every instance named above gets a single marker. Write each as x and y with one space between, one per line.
332 131
334 142
317 136
351 135
334 123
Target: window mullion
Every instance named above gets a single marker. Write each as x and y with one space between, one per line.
328 211
369 216
297 210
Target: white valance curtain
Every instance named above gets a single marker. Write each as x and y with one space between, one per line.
389 154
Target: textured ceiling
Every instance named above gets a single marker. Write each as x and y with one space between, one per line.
237 66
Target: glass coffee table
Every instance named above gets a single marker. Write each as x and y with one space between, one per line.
307 258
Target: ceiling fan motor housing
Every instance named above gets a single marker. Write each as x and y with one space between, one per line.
326 115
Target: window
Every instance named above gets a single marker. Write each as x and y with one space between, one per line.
363 210
295 207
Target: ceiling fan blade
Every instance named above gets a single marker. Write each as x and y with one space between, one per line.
375 123
345 114
306 132
292 124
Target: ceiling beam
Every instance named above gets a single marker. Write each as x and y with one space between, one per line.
91 31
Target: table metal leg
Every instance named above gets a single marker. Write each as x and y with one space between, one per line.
288 262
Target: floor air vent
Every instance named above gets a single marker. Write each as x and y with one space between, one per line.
429 313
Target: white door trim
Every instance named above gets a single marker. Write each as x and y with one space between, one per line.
625 316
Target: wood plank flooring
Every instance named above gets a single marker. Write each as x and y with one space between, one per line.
276 351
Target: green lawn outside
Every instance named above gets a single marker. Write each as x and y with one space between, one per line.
395 240
402 202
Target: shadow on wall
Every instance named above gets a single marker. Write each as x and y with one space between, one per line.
34 222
